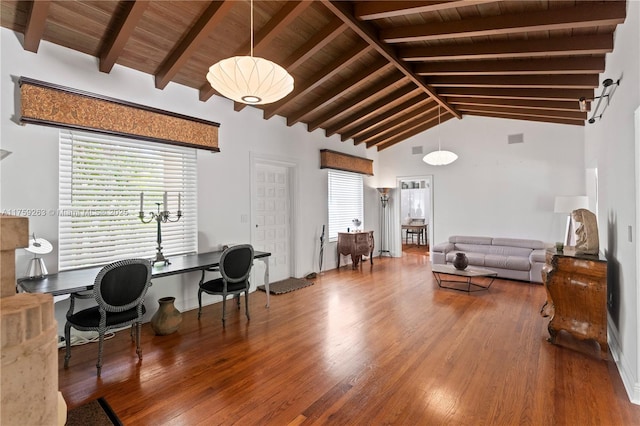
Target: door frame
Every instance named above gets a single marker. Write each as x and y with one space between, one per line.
292 170
397 245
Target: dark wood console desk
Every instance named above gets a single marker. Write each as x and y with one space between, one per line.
357 244
576 298
78 280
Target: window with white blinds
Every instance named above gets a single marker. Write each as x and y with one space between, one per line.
101 178
345 201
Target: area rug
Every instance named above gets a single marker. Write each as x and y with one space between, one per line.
94 413
287 285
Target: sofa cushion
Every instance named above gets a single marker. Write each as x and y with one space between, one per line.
539 256
507 262
509 251
473 248
518 242
469 240
476 259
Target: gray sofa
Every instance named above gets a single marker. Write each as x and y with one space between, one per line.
511 258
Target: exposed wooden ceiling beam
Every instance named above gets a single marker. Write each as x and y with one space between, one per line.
589 14
122 31
568 81
398 95
320 77
411 132
527 118
540 94
351 84
569 115
377 122
358 100
370 10
374 137
574 65
369 34
208 21
34 27
560 46
518 103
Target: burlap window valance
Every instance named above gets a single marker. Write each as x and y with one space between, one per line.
52 105
349 163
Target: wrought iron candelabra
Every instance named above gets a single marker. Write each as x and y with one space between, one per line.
160 217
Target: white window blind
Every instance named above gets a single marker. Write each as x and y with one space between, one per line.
345 201
101 178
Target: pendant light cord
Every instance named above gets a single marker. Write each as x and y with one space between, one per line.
252 28
439 129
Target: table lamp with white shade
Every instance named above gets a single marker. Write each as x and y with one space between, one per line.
36 267
567 204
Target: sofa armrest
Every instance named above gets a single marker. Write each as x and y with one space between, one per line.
439 253
537 256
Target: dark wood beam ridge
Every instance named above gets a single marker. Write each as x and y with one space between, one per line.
208 21
591 65
35 25
508 49
569 81
358 100
519 103
346 59
411 132
382 132
498 93
588 14
527 118
369 34
571 115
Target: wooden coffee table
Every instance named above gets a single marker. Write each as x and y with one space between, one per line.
469 273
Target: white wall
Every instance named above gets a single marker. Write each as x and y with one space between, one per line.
495 188
611 147
29 176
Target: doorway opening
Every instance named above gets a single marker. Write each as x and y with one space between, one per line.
416 213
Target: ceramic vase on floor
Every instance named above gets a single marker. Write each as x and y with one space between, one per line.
167 318
460 262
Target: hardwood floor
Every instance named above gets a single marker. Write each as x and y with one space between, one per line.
378 345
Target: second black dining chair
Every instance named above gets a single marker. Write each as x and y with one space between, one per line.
235 268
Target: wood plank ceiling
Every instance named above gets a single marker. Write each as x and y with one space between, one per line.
376 72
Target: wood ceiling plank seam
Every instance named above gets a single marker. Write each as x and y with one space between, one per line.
409 133
585 65
376 123
367 11
574 81
122 31
287 14
571 115
353 83
519 103
398 95
528 118
370 35
581 15
35 25
407 126
194 37
316 43
409 116
360 98
539 94
577 45
320 77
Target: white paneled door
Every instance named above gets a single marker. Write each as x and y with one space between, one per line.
271 217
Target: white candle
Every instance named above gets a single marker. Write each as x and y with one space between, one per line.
179 201
141 201
164 202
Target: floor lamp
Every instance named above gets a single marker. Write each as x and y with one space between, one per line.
384 222
567 204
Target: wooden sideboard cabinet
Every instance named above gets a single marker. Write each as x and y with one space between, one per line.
576 297
357 244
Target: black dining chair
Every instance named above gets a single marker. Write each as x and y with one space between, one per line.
119 291
235 268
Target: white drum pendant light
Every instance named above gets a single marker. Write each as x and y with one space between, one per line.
249 79
439 157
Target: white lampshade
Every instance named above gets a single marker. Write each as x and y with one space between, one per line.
567 204
250 80
440 158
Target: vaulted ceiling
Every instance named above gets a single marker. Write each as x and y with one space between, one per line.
375 72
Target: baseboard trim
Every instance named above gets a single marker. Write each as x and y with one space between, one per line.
631 384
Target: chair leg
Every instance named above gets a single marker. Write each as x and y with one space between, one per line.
246 302
67 343
138 326
224 307
100 346
237 297
199 303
